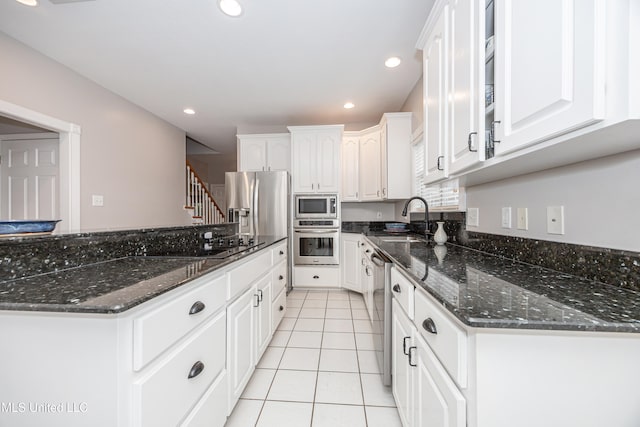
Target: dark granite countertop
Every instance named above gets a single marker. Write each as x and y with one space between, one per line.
111 286
487 291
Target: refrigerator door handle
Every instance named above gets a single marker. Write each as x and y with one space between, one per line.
254 215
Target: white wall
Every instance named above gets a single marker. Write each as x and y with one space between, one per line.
368 211
601 200
131 157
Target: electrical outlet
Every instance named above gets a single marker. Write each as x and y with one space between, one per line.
523 219
473 217
379 215
506 217
97 200
555 219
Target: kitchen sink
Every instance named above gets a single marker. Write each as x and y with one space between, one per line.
401 239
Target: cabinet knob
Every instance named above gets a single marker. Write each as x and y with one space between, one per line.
281 308
280 277
281 253
197 307
196 369
316 277
396 288
430 326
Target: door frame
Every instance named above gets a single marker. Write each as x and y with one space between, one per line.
69 158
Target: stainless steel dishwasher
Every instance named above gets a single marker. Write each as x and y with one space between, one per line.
381 319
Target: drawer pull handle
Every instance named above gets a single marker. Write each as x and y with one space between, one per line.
257 304
396 288
411 358
196 369
430 326
316 277
281 308
259 295
404 345
196 308
280 277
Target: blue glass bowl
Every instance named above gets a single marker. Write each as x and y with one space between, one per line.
27 226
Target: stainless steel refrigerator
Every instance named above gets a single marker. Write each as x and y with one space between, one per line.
258 202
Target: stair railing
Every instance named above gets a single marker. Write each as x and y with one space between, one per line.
205 208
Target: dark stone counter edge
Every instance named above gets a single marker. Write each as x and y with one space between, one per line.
509 324
88 309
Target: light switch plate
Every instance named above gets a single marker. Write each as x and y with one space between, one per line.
555 219
473 217
523 219
506 217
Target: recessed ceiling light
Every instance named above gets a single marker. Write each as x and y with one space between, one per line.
349 105
392 62
28 2
189 111
230 7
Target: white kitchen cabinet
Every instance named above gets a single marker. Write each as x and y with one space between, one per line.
264 152
466 102
550 69
316 158
395 142
376 161
370 164
350 167
350 261
263 316
437 400
241 344
435 76
403 334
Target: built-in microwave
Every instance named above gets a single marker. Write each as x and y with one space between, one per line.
316 205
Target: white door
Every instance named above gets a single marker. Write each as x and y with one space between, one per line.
279 153
29 179
304 148
466 59
350 264
437 400
263 316
402 336
350 178
240 344
370 179
328 158
435 95
253 154
550 69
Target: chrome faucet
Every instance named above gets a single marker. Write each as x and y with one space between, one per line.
426 213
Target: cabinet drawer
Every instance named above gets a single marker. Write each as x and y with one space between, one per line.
168 387
317 276
403 291
279 308
279 278
447 340
242 276
158 329
211 411
279 253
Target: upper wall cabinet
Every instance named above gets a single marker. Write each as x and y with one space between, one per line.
264 152
316 158
376 162
452 42
559 80
550 68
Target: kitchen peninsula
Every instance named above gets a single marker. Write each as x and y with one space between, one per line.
100 341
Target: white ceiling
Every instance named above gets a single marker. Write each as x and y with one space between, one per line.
283 62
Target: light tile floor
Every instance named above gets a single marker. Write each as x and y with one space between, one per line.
319 370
